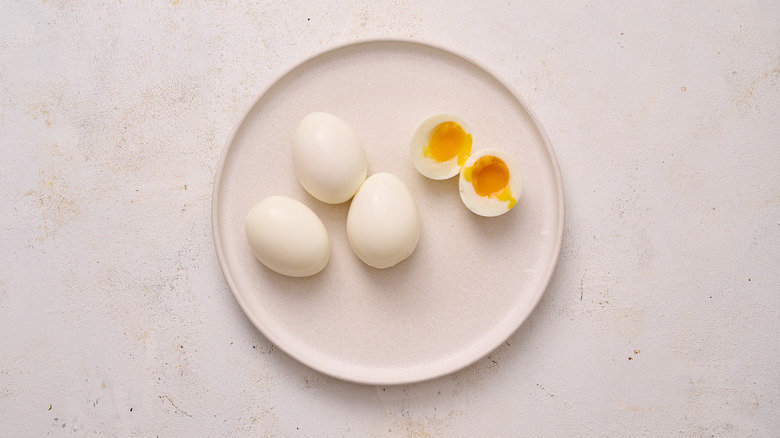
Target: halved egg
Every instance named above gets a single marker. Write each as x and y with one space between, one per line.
440 145
490 182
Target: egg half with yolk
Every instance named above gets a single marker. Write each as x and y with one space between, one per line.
490 182
440 145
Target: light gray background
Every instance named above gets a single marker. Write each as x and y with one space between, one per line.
661 318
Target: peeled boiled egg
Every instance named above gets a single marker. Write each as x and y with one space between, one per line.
287 237
440 145
383 223
490 182
328 158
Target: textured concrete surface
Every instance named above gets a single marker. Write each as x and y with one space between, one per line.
662 316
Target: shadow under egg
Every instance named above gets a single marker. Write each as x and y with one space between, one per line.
302 286
434 197
437 187
394 279
496 229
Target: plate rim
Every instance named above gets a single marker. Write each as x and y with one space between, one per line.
218 176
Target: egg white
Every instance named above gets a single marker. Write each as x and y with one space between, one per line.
328 157
287 237
383 222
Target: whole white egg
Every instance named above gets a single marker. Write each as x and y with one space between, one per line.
287 237
383 223
440 145
328 157
490 182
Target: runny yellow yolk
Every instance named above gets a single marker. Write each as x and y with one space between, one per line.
490 178
447 141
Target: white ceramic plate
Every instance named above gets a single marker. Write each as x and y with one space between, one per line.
472 280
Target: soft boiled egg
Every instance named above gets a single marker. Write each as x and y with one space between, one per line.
440 145
490 182
287 237
328 158
383 223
